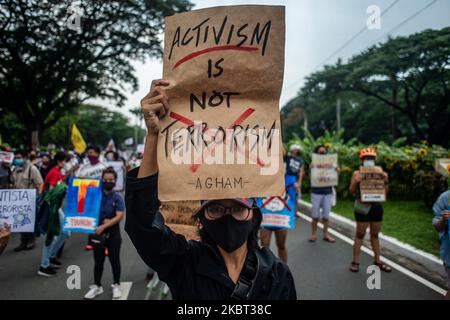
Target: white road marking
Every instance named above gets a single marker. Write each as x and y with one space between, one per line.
383 259
125 287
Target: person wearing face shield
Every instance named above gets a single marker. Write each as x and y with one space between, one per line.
227 262
371 215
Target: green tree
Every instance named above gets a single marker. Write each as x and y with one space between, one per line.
48 67
399 88
97 125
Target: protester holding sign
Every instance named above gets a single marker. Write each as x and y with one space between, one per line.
5 235
368 213
294 173
293 180
228 246
25 176
92 169
108 236
324 172
50 219
441 210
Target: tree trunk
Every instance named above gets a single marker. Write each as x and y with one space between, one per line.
35 138
394 101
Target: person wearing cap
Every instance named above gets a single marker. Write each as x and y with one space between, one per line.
227 262
367 214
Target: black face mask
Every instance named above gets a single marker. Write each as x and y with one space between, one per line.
108 186
227 232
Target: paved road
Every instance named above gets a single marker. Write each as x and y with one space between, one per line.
320 271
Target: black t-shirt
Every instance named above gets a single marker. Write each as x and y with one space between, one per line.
293 165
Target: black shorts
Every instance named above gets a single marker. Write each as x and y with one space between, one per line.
375 214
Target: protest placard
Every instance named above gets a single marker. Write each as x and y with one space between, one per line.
119 169
18 209
222 137
372 186
178 216
83 201
7 157
323 170
179 212
278 211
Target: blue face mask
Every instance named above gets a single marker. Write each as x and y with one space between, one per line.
18 162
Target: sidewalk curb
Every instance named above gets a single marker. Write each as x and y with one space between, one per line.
423 263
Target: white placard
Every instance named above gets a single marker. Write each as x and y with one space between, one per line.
323 170
118 168
18 209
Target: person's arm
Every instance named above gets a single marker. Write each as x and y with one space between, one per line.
159 247
356 178
107 223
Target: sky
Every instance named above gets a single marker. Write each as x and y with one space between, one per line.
315 29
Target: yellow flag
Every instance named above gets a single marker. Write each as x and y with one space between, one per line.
77 140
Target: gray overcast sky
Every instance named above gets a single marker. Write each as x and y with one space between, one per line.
314 30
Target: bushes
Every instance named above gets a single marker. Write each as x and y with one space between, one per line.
410 167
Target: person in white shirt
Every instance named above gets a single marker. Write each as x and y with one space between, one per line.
94 168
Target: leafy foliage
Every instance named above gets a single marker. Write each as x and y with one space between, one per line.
397 89
405 164
48 69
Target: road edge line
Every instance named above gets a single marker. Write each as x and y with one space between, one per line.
393 264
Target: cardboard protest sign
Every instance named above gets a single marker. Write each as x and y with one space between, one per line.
178 216
372 186
222 137
18 209
323 170
7 157
443 167
119 169
83 202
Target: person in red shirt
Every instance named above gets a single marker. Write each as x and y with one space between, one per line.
54 176
49 263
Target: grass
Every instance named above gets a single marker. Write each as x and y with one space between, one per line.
407 221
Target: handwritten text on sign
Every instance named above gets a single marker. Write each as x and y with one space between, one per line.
18 209
372 186
323 170
222 137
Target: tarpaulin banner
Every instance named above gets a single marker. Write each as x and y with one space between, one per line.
222 137
84 198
